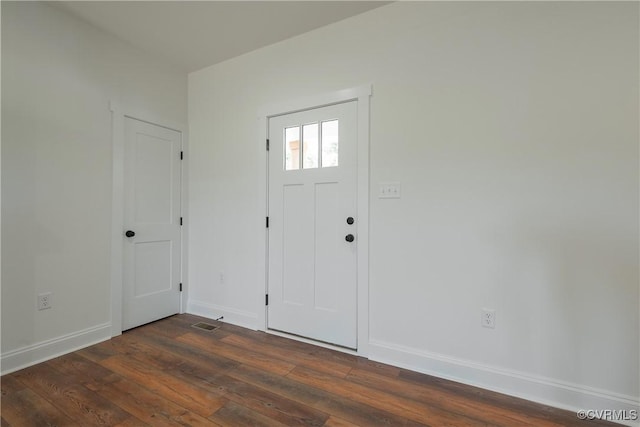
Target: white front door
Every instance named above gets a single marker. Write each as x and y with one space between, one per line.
152 235
312 221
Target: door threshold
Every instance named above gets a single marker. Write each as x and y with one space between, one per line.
306 340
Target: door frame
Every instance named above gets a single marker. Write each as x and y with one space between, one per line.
118 116
361 95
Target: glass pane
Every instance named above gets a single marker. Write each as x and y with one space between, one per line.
292 148
310 146
330 143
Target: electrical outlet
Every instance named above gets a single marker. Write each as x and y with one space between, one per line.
44 301
488 319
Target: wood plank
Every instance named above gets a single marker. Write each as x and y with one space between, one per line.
234 415
250 358
187 352
340 406
132 422
98 351
320 352
325 355
423 413
196 372
499 400
444 400
289 354
148 406
196 399
10 384
212 379
334 421
378 368
76 401
135 347
81 369
265 402
26 408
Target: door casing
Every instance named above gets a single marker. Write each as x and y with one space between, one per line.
118 115
361 95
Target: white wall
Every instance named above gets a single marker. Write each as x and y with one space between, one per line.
513 128
58 76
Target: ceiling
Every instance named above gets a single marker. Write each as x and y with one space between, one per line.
195 34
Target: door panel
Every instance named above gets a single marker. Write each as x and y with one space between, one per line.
296 254
152 179
312 190
152 212
152 266
327 227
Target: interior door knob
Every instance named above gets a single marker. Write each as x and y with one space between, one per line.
349 238
130 233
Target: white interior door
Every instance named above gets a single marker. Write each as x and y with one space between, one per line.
152 235
312 287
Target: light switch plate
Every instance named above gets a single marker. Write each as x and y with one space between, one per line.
389 190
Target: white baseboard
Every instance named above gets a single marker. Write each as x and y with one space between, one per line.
559 394
40 352
231 315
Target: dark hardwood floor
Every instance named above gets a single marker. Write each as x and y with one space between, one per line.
168 373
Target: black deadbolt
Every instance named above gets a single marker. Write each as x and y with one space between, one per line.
350 220
349 238
130 233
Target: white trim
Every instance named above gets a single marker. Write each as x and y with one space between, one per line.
263 210
315 101
361 94
184 213
36 353
118 116
154 119
547 391
231 315
363 221
117 217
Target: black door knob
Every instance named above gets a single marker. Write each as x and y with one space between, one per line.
350 220
130 233
349 238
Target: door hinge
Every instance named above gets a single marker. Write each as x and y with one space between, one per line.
181 155
180 220
180 287
266 299
267 144
267 222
